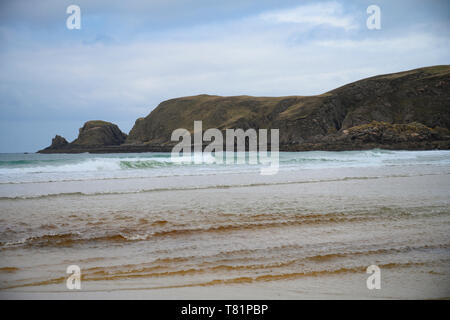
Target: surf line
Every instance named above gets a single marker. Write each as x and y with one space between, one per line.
236 141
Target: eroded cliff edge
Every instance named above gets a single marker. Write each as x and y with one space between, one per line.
405 110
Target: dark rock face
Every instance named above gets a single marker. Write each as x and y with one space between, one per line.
392 133
406 110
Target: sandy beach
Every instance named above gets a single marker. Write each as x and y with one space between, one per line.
152 230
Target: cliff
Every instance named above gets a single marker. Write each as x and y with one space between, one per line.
406 110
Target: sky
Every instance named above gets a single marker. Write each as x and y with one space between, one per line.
128 56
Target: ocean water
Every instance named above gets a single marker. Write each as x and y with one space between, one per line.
145 222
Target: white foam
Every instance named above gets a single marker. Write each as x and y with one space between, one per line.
89 167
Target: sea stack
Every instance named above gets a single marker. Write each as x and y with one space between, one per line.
94 134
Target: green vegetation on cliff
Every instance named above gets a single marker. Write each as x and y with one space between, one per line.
421 95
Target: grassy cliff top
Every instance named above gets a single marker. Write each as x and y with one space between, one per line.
414 95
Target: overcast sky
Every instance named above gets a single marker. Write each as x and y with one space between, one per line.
129 56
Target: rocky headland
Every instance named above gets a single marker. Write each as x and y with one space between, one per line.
407 110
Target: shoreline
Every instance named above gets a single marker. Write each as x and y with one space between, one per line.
425 146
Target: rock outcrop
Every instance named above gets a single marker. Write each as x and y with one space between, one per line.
58 142
94 134
406 110
385 135
99 133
